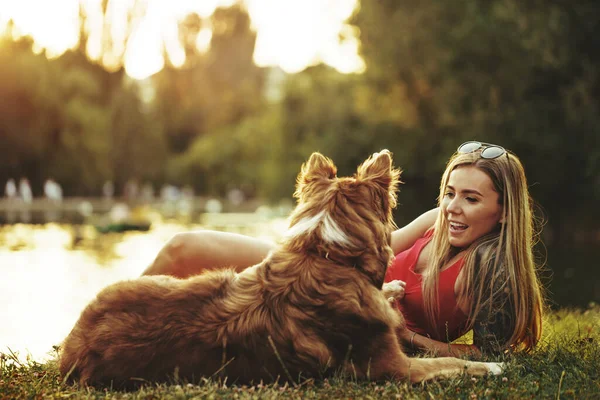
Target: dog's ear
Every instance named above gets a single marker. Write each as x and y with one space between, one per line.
317 167
379 169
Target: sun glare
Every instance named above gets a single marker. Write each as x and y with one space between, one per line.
297 33
53 25
291 34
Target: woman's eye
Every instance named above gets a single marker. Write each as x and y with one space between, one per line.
471 199
449 194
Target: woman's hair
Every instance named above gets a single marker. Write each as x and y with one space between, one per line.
500 268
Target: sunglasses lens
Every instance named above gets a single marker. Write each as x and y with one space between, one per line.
469 147
492 152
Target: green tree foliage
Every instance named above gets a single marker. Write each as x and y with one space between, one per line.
79 156
207 106
23 134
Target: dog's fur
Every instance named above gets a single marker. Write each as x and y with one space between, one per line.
312 307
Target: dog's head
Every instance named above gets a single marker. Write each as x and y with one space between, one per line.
348 220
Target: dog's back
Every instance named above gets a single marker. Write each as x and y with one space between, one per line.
266 323
146 328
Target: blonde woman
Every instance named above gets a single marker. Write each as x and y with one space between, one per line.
475 268
465 266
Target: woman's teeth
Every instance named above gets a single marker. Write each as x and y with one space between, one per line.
458 227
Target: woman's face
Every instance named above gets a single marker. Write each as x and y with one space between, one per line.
470 205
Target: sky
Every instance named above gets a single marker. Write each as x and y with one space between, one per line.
291 34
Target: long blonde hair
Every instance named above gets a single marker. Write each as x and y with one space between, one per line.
504 255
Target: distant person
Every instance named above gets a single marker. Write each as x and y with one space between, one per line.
170 193
53 191
185 203
468 265
25 191
169 198
10 189
236 197
108 190
10 192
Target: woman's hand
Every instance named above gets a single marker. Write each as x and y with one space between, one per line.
414 342
394 290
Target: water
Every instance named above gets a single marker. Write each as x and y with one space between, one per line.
48 274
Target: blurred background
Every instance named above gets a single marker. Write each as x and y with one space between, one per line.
122 122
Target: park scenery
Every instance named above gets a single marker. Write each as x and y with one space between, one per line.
124 123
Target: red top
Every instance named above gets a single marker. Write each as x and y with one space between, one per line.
451 320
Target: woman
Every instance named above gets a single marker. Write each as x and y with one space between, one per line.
475 269
467 266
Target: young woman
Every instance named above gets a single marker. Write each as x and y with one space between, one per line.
475 268
465 266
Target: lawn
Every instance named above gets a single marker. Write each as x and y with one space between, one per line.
565 365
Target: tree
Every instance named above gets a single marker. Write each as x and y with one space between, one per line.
214 91
23 131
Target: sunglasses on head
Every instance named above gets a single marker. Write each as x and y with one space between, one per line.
489 152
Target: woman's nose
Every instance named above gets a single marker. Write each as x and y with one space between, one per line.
453 206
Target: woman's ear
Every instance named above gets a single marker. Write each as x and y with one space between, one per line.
503 217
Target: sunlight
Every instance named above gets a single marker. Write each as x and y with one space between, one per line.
144 56
296 34
53 24
203 41
94 28
291 34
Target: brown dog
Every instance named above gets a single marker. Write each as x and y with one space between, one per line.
312 307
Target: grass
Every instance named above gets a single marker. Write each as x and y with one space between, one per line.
564 366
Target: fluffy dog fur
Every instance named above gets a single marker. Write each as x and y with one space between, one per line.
312 307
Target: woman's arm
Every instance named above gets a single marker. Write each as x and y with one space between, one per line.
493 322
405 237
413 341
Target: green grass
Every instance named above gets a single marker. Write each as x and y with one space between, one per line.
565 365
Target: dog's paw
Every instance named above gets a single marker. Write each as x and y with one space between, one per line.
495 367
394 290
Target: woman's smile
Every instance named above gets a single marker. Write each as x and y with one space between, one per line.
457 228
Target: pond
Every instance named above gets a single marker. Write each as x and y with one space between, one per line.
49 272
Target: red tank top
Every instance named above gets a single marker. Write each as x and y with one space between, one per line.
451 320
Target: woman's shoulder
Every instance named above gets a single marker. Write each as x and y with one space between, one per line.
405 261
420 243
